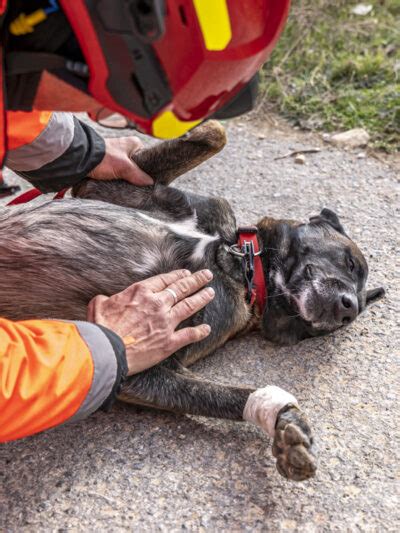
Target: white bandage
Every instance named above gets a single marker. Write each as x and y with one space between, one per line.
263 406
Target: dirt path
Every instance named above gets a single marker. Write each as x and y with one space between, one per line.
134 469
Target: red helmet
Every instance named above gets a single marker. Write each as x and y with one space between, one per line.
169 64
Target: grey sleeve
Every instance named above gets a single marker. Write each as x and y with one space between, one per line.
110 368
61 156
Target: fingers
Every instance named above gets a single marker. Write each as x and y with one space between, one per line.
191 305
94 304
135 175
186 286
186 336
117 162
162 281
131 172
132 143
128 169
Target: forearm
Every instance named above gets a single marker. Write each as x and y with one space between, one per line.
52 372
63 153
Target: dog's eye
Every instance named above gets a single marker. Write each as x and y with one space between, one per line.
351 265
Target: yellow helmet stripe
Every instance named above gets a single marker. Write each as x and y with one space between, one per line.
169 126
214 22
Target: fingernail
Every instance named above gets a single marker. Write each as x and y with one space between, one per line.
206 329
186 272
138 177
210 291
208 274
147 180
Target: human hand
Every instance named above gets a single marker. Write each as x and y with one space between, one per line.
117 162
146 315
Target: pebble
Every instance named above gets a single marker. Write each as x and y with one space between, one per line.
300 159
354 138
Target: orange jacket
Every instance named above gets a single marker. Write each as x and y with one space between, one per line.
53 371
23 128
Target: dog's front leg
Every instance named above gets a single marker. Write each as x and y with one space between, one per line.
174 388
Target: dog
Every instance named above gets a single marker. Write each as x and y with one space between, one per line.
56 256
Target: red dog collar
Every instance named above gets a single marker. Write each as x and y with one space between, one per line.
248 249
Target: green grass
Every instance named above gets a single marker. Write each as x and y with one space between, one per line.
333 70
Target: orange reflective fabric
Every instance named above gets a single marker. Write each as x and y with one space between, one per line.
23 127
46 371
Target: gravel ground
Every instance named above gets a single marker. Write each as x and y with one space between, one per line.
136 469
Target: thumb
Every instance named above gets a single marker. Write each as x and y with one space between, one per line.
133 174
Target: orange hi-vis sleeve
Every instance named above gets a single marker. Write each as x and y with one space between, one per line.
46 371
24 127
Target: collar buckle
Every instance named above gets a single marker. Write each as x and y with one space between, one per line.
248 269
247 248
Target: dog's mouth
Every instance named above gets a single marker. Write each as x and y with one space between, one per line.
322 304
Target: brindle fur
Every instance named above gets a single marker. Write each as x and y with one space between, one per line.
56 256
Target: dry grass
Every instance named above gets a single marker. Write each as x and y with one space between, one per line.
333 70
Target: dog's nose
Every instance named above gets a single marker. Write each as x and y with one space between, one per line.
346 308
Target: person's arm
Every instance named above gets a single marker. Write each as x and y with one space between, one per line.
54 151
53 372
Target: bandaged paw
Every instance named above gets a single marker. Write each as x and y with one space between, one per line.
263 405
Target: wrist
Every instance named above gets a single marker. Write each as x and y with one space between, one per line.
118 346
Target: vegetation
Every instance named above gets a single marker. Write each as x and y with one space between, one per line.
334 70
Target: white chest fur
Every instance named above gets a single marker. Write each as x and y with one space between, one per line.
185 228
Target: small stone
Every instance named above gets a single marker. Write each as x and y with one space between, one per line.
362 9
289 524
300 159
361 155
326 137
352 490
354 138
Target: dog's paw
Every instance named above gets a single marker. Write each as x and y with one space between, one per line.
292 446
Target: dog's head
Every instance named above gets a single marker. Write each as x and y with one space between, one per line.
316 278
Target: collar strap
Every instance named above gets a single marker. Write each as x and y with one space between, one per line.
31 194
248 249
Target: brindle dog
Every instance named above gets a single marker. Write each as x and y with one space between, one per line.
56 256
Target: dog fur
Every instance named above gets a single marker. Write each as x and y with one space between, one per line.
54 257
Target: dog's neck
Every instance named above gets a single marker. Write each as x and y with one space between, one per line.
270 242
279 322
275 237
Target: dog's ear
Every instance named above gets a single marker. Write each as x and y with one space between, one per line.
373 295
329 217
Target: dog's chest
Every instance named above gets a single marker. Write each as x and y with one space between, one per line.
177 241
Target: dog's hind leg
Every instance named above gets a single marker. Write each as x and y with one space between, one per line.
172 387
167 160
164 162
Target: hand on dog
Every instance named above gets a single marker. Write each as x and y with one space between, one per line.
147 313
117 162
